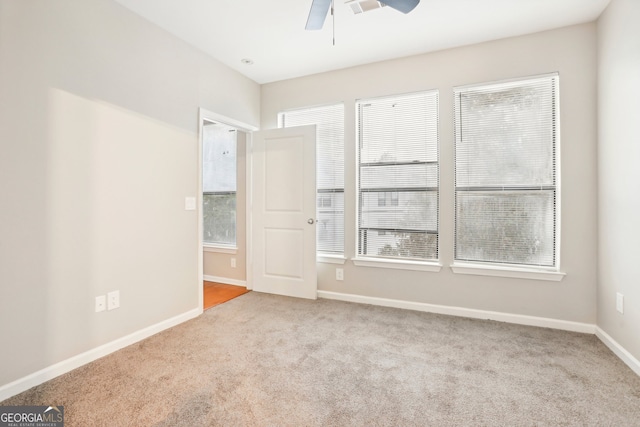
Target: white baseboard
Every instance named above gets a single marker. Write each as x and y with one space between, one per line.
225 280
619 351
50 372
519 319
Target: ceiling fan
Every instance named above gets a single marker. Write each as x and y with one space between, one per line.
319 9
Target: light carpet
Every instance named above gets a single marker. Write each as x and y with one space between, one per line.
265 360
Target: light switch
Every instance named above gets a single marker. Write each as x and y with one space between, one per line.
189 203
620 302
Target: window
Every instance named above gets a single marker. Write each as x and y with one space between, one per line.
219 184
506 144
398 176
329 121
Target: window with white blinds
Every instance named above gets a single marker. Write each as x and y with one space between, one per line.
329 121
398 176
506 145
219 184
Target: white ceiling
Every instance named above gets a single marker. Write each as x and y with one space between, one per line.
272 34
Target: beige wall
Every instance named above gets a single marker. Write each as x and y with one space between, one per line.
219 264
571 52
98 136
618 171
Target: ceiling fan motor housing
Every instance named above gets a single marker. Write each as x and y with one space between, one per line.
359 6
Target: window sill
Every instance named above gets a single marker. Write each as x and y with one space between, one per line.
220 249
504 271
330 259
397 264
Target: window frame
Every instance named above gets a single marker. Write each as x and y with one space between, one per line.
504 269
416 264
220 247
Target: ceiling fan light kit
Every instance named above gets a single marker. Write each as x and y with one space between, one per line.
360 6
320 8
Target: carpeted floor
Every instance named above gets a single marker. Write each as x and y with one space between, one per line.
265 360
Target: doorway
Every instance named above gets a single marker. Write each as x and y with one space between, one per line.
284 254
222 198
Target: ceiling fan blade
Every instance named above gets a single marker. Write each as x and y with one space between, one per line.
317 14
404 6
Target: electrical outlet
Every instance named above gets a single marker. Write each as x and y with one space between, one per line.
233 262
113 300
101 303
339 273
620 302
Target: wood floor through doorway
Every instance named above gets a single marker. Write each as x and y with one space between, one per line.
217 293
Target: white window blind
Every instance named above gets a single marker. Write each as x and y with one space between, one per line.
329 121
398 176
506 140
219 184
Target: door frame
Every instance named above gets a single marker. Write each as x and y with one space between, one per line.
210 116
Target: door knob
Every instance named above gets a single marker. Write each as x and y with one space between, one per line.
310 221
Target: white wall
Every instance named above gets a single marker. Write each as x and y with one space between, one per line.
619 172
570 51
98 137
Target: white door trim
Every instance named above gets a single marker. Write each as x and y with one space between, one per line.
206 115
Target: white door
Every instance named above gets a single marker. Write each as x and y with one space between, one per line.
284 212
